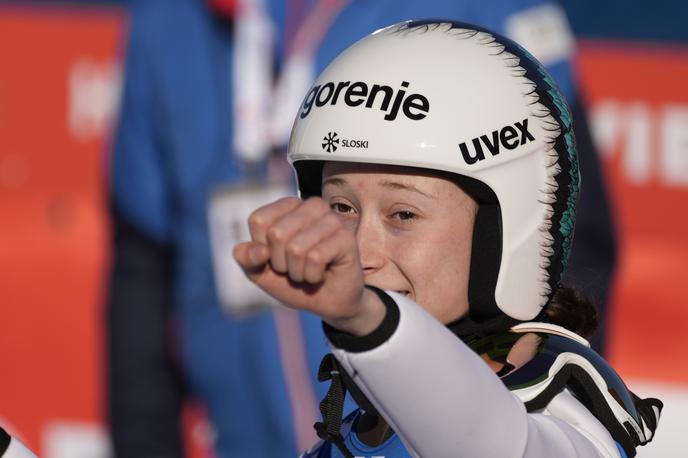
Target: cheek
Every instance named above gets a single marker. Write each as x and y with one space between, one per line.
449 252
448 274
438 270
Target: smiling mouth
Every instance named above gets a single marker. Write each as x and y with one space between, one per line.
403 292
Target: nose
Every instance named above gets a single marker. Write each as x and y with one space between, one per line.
371 244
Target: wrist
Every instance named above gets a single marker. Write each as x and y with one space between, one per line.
356 344
370 314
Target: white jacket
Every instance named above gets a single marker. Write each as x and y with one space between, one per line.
444 401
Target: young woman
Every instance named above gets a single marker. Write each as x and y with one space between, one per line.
439 180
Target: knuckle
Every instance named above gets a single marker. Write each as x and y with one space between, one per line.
288 201
255 221
275 234
314 257
294 249
317 204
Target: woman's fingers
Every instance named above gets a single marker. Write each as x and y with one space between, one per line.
303 255
328 254
284 229
264 217
299 246
283 234
251 255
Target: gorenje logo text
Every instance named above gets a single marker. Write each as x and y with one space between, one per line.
507 136
413 106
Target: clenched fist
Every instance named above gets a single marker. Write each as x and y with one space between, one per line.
301 254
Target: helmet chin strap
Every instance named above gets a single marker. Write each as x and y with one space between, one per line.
467 328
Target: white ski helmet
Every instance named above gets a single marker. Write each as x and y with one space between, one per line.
466 102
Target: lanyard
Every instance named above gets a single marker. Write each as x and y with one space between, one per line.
264 108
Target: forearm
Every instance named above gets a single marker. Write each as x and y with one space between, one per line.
431 388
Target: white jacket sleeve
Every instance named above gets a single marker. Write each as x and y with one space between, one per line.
444 401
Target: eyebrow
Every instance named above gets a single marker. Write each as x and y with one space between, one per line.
392 185
334 181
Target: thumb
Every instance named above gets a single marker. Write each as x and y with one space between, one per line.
251 255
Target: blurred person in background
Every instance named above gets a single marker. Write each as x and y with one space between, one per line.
211 89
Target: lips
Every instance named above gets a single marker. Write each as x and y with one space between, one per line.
388 287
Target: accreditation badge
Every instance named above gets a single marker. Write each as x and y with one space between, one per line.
228 212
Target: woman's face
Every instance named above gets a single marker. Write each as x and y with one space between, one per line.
414 231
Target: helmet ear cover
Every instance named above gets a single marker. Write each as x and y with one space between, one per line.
486 250
309 178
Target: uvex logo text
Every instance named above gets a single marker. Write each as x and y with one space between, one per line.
508 137
413 106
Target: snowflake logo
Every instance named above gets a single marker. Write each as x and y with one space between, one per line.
330 142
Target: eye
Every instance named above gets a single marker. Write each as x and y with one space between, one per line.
342 208
404 215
